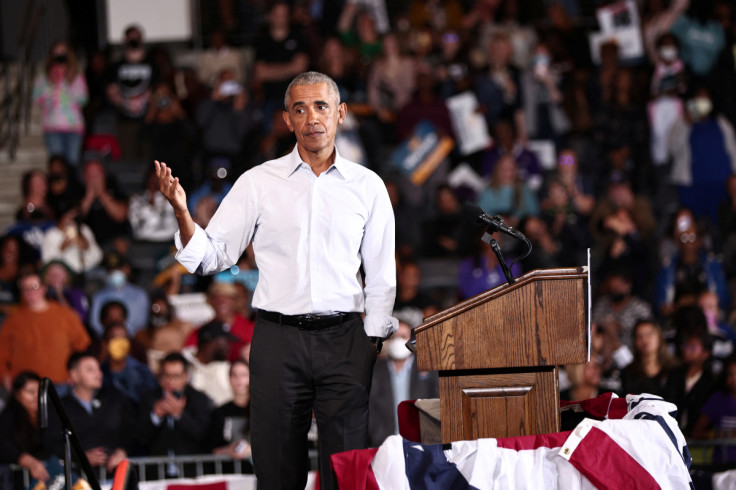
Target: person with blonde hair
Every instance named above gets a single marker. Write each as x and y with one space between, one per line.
61 91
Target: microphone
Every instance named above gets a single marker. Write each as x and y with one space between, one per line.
475 214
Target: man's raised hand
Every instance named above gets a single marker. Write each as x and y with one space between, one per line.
170 187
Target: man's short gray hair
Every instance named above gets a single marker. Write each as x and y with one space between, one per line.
312 78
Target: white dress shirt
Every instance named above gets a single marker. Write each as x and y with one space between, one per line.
310 235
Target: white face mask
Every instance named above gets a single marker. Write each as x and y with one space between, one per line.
396 349
116 279
699 107
668 53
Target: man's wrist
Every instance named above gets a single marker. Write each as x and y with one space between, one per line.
377 343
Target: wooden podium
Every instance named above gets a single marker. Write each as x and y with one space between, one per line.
497 354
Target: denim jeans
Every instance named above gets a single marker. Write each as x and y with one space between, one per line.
68 145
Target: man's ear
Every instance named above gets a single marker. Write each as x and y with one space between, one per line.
342 111
287 120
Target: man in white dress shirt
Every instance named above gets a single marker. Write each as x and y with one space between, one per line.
322 229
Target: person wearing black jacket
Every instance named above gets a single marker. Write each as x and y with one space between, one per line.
175 417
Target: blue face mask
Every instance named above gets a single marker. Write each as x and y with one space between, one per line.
116 279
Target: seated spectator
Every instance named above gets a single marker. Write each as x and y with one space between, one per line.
122 371
104 207
507 194
507 142
652 362
217 58
579 189
545 252
717 418
120 289
689 385
164 333
424 105
727 227
408 232
723 336
61 91
691 270
22 441
116 313
481 271
585 379
445 233
223 297
35 208
395 379
617 308
16 257
71 242
410 300
150 215
567 226
40 335
59 281
174 417
208 365
64 186
229 431
100 416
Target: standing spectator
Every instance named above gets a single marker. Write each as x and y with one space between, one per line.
224 120
16 256
208 365
425 105
280 55
217 58
445 233
129 90
118 287
100 417
122 371
481 271
229 431
21 440
164 333
175 416
703 148
507 142
701 37
167 127
652 362
40 335
391 81
396 378
104 206
61 92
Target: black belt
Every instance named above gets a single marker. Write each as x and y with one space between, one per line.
309 321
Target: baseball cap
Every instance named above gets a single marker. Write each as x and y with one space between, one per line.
212 330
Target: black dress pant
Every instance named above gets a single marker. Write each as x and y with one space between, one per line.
294 372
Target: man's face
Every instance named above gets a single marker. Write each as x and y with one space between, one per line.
313 116
87 374
173 377
32 291
114 315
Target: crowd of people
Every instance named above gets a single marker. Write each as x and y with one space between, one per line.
642 174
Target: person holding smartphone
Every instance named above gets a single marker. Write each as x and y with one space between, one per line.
174 418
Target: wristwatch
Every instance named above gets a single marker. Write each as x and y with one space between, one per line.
377 344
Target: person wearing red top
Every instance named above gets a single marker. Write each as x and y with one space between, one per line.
222 297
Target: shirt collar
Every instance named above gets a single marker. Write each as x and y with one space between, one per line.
341 166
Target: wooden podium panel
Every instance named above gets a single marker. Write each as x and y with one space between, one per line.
497 354
499 404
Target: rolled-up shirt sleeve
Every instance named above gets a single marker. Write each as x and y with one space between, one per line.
379 263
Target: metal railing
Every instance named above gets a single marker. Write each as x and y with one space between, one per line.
15 105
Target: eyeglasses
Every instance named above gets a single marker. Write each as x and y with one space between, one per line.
688 237
34 286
